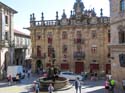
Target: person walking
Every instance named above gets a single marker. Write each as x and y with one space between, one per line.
36 87
29 73
50 88
10 80
17 78
77 85
106 84
112 85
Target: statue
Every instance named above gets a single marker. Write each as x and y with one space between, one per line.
78 6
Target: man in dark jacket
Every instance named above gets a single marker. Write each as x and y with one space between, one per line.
77 85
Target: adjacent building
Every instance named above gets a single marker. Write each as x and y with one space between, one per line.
6 37
22 53
78 43
117 46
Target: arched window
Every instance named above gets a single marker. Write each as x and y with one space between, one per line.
122 5
121 36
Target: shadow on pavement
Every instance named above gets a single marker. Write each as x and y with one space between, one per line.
4 85
98 91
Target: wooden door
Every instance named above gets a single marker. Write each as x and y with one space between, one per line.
79 67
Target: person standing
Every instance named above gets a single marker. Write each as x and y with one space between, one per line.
36 87
77 85
50 88
112 85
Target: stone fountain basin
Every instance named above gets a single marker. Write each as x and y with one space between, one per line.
59 83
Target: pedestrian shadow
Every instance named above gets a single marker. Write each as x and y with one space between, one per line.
4 85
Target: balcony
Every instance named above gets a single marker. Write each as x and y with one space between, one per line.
21 46
79 55
79 41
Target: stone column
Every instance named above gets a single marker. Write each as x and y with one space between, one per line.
33 63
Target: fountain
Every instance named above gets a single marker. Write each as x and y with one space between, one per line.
59 83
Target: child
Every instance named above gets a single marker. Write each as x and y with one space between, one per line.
50 88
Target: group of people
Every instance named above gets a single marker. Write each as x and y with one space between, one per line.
37 87
77 84
18 77
109 85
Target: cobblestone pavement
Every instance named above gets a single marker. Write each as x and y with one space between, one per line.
25 87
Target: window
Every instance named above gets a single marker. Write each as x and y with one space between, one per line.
94 49
93 34
79 55
38 37
109 54
121 36
64 58
79 47
122 60
6 19
49 50
64 35
94 61
50 37
122 5
38 51
64 48
109 35
6 35
79 35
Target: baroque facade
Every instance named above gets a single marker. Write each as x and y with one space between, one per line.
6 37
117 46
78 43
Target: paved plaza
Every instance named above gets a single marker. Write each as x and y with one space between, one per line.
25 87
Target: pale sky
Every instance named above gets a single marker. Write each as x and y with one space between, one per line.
49 8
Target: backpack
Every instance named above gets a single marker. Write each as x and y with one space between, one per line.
112 82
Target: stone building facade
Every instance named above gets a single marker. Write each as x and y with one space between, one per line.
117 46
6 37
22 53
78 43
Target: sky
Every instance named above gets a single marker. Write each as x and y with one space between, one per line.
49 8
